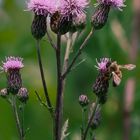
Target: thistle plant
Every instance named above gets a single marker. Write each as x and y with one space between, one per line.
15 93
65 18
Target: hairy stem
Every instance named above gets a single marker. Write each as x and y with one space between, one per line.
90 119
50 108
59 98
16 115
77 55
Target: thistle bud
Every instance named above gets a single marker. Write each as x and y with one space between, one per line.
78 22
39 26
3 92
59 24
23 94
100 16
83 100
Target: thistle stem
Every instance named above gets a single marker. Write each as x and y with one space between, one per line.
50 108
50 40
77 54
59 98
16 115
90 120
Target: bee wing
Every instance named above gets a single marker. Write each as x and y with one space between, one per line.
116 79
128 66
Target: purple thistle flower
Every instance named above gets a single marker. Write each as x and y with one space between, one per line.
12 63
12 67
119 4
73 7
103 64
41 7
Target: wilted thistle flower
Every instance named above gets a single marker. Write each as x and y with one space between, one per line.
41 9
3 92
83 100
101 85
23 94
68 11
101 13
11 67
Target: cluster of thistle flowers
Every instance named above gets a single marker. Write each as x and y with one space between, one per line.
68 15
11 67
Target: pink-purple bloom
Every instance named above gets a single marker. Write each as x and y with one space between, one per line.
102 66
12 63
73 7
41 7
119 4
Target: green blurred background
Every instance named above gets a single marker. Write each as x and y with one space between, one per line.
112 41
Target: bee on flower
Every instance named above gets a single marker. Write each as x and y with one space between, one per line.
108 70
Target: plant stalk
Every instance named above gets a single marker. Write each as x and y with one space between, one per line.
50 108
16 115
77 54
91 119
59 98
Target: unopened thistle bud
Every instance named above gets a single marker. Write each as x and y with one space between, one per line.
23 94
83 100
12 67
39 26
100 16
3 92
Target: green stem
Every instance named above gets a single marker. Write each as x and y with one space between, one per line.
77 55
91 119
50 107
16 115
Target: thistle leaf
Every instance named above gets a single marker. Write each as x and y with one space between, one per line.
64 133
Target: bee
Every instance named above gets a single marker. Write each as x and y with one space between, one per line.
117 73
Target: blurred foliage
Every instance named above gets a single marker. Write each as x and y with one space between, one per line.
16 40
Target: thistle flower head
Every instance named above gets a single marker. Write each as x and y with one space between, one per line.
103 64
41 7
119 4
73 7
12 63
